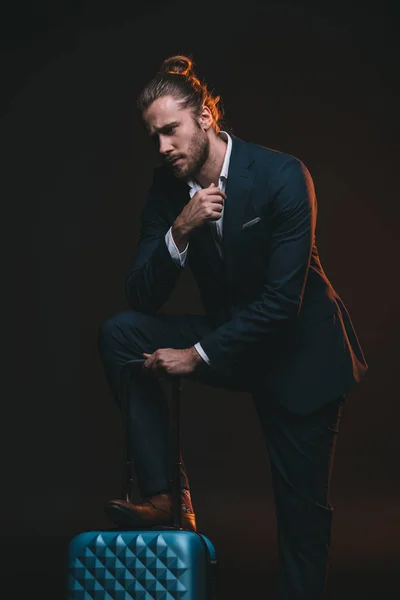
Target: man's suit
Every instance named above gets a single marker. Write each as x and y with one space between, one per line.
269 297
274 326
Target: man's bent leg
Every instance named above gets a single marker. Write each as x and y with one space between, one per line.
301 451
124 337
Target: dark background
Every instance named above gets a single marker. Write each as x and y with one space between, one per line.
317 80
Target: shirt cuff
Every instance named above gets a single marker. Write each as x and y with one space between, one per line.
178 257
202 353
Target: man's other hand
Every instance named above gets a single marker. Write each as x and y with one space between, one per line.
166 362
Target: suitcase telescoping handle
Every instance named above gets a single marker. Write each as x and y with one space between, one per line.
175 437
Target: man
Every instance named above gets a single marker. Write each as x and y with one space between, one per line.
243 218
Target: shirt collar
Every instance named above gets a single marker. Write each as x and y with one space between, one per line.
225 167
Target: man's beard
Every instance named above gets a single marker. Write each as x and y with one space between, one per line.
198 153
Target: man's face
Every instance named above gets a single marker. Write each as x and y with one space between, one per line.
181 142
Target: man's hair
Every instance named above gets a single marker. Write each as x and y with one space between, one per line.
176 78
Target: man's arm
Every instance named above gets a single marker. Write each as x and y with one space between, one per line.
178 255
155 269
293 213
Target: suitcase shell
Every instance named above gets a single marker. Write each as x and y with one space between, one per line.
162 564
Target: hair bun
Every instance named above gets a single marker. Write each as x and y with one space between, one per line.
177 64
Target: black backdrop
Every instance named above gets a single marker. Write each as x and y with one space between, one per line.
317 80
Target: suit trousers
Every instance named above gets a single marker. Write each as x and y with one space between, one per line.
301 448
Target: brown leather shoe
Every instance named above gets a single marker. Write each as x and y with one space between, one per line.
154 511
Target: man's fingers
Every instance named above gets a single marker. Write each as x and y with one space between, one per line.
216 193
146 367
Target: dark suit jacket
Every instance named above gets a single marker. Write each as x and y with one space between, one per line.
270 299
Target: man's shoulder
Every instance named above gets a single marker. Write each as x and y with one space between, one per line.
276 165
271 156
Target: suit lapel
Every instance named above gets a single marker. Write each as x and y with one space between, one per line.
238 207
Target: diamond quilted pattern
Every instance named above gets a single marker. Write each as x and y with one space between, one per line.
127 568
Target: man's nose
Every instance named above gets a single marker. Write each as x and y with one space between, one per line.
165 147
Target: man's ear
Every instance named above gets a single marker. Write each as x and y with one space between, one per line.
205 118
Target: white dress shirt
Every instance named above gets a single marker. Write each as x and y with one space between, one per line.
216 226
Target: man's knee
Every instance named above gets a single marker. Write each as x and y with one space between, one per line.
115 328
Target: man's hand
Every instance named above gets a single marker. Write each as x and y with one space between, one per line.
206 205
165 362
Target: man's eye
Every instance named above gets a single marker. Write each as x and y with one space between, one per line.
168 131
